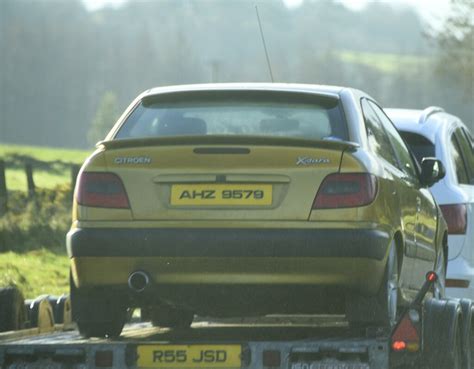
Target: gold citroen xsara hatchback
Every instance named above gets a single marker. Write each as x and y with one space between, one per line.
252 199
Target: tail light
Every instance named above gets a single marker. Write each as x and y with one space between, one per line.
457 283
456 217
405 337
271 359
103 190
346 190
104 359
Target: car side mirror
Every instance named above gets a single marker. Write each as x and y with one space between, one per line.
432 170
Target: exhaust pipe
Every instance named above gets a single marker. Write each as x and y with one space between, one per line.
137 281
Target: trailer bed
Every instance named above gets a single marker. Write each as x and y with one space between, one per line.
276 342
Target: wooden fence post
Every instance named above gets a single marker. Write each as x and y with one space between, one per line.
30 181
74 172
3 189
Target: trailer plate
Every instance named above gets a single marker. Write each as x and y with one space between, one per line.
189 356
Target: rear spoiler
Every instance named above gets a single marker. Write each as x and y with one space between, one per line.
228 140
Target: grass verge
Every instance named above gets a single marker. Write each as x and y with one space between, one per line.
35 272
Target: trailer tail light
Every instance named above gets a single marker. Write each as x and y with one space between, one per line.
456 217
399 346
431 277
405 337
103 190
271 359
104 359
346 190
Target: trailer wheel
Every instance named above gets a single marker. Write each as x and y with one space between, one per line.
97 313
467 333
12 309
168 317
381 309
443 334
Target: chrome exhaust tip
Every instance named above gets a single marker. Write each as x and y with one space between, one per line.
138 281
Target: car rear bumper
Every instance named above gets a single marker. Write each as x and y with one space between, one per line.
229 242
230 257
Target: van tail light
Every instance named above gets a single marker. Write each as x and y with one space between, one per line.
456 217
346 190
102 190
405 337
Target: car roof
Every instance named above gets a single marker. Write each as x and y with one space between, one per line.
427 122
333 91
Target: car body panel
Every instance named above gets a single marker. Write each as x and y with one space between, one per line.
149 185
438 128
286 243
351 272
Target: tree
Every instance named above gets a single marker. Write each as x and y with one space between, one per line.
104 119
456 42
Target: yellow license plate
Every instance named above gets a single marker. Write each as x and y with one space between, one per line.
189 356
221 194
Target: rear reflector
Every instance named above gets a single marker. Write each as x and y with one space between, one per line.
456 217
346 190
103 190
104 359
405 336
271 359
431 277
457 283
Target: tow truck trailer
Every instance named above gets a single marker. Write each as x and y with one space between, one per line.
430 334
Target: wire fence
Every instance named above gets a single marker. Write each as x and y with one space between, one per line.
29 170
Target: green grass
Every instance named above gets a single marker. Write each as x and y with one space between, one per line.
53 171
384 62
16 179
36 272
32 233
45 153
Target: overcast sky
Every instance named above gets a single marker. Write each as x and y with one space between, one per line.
430 10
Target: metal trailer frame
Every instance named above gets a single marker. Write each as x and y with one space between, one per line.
343 348
45 351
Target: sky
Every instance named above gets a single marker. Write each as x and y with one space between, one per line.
430 10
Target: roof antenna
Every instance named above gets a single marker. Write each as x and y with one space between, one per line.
264 44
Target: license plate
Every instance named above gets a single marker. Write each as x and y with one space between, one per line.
221 194
189 356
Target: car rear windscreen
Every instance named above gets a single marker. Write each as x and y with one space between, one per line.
419 145
245 113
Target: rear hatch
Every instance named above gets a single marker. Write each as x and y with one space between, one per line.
274 179
225 155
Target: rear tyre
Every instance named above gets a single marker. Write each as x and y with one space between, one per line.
467 328
12 309
97 314
379 310
443 334
167 317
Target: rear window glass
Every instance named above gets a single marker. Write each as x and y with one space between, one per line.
419 145
305 117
